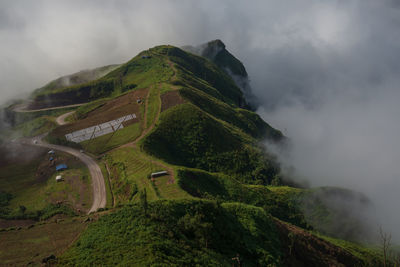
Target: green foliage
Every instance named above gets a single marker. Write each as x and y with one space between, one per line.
179 233
45 213
370 256
198 133
153 104
285 204
209 72
54 209
143 200
247 121
36 126
4 198
188 136
4 201
282 203
77 94
130 170
109 141
186 79
141 72
219 187
75 79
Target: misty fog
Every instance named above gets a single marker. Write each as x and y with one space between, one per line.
325 72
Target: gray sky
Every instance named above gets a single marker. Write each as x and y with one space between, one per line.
326 72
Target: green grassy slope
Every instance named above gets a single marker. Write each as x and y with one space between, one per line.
188 136
137 73
218 186
217 201
244 119
29 190
81 77
183 233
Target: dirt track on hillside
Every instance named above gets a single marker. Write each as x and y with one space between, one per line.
23 107
98 185
61 119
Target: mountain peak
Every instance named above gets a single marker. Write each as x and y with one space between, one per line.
212 48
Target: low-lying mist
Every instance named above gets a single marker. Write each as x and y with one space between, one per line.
326 73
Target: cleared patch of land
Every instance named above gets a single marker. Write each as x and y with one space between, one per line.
29 245
130 172
106 111
30 179
170 99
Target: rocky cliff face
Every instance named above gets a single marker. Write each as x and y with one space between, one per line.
216 52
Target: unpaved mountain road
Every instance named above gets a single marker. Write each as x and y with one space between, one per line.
61 119
98 185
23 107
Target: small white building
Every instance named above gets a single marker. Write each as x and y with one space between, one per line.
157 174
59 178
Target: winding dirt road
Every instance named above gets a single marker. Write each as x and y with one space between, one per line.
98 185
23 107
61 119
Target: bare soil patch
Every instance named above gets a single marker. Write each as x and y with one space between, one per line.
30 245
15 223
170 99
111 110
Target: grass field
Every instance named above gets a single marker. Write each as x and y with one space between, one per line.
146 72
32 184
109 141
37 126
165 87
31 245
130 171
154 103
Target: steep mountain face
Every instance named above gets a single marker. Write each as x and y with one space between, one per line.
217 53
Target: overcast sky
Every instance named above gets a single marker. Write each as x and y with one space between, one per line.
326 72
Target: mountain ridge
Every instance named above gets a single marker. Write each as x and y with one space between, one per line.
223 198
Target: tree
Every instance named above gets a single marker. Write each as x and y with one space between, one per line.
22 209
385 243
143 200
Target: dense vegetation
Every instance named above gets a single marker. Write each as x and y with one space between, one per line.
80 77
75 94
45 213
187 136
184 233
246 120
222 187
208 72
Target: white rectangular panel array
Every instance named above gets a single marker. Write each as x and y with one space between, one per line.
98 130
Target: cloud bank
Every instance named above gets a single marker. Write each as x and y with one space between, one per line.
326 72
